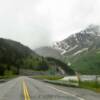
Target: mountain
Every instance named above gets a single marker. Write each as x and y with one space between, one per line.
49 52
79 46
7 45
12 55
79 42
15 57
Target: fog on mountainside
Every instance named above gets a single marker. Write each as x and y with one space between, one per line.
38 23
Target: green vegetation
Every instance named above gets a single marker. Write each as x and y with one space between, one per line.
87 63
8 74
58 63
63 83
47 77
92 85
38 64
15 56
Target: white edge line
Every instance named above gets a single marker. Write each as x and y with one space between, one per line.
66 93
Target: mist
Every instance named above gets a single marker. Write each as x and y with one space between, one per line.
37 23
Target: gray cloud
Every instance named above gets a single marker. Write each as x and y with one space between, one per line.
40 22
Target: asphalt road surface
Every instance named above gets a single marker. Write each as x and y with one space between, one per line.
24 88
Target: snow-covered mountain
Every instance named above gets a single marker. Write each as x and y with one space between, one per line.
83 41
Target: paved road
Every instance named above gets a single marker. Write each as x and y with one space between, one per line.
24 88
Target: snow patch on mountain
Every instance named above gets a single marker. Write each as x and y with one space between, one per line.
80 51
79 42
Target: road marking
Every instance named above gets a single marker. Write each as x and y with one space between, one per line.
25 91
66 93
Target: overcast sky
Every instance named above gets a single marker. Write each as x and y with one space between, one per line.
41 22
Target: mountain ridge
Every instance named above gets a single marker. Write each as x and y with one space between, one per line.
78 41
81 50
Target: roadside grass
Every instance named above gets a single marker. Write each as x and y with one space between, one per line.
47 77
91 85
62 83
8 75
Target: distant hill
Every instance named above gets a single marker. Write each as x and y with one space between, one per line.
80 50
49 52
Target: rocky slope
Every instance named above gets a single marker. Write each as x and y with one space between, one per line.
82 50
77 43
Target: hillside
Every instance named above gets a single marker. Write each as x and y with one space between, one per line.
87 63
6 44
14 57
59 66
80 49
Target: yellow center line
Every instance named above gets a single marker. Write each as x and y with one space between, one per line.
25 91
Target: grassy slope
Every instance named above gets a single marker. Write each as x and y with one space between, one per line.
87 63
